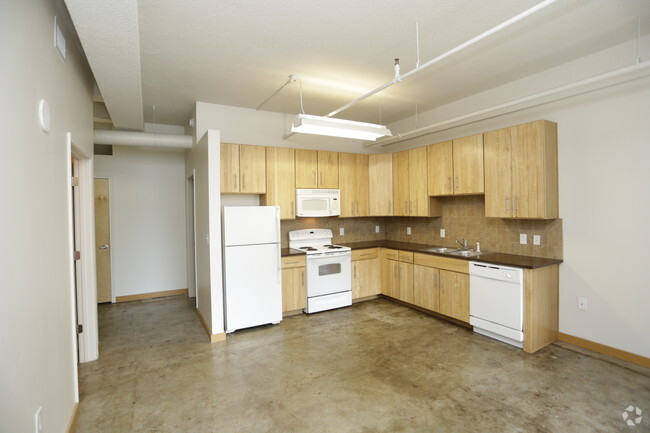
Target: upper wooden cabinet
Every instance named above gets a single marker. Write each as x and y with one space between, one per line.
280 181
353 169
317 169
410 196
243 169
456 167
521 171
380 188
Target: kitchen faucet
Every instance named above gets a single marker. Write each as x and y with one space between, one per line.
462 243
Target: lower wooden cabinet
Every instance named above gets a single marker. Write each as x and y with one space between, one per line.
365 273
294 293
426 290
454 295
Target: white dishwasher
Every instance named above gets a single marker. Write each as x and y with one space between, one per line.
496 302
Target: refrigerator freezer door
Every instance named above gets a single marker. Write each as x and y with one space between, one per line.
253 286
249 225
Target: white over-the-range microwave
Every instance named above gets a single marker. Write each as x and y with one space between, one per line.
318 202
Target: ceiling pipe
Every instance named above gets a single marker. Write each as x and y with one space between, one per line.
129 138
618 76
443 56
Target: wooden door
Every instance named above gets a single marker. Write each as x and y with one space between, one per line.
468 165
103 241
498 172
401 183
348 184
362 185
380 185
406 282
454 295
252 169
280 181
390 278
306 168
365 278
425 287
229 168
418 196
294 294
328 169
440 169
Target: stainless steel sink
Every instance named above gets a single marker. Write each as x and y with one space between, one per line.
441 250
466 253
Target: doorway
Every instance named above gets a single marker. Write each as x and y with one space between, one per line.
190 217
103 240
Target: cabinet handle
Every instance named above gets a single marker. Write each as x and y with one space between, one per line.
315 179
456 183
321 179
364 255
291 263
505 204
411 207
442 282
516 207
435 283
449 183
406 208
302 278
243 181
234 176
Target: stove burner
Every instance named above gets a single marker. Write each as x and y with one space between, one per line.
333 247
308 248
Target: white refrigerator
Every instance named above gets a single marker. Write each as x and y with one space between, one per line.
252 270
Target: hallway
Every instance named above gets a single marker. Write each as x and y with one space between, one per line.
374 367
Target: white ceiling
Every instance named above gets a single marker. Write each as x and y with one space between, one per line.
239 52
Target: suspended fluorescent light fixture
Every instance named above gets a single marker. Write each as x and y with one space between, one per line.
308 124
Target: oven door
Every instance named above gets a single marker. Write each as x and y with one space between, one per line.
329 273
313 206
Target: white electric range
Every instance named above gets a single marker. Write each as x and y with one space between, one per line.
328 269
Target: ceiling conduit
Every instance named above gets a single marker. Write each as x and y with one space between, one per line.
128 138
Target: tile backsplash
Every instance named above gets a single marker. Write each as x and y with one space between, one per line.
462 218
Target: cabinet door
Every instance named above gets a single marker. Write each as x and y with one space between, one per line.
406 282
468 165
425 287
252 169
348 187
362 185
418 196
534 171
440 168
294 294
328 169
454 295
280 182
229 168
306 168
401 183
498 172
380 175
389 278
365 278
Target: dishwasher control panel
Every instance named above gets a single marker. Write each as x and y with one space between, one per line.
496 272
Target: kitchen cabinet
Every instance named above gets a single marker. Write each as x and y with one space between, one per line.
243 169
380 184
353 170
389 273
397 275
294 294
521 177
280 182
365 273
456 167
441 284
317 169
410 196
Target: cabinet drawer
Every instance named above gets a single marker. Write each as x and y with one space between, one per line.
293 262
370 253
390 254
405 256
447 263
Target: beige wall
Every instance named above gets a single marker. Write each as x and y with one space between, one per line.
38 360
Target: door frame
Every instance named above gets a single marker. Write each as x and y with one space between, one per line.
84 304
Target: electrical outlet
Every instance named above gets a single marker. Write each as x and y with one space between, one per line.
442 233
537 240
38 420
523 238
341 231
408 230
376 229
582 304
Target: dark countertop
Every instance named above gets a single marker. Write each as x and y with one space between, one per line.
494 258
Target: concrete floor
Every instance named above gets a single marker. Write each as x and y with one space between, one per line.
374 367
